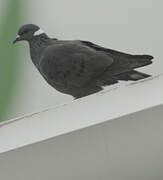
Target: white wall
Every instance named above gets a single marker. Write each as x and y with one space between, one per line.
127 148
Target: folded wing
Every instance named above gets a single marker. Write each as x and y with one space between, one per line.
73 65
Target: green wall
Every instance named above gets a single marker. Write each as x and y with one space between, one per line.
10 20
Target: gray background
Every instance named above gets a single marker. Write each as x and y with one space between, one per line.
133 26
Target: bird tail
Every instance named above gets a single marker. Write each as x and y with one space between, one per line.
132 75
120 73
141 60
147 57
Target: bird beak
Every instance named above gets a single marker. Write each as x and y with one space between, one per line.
18 38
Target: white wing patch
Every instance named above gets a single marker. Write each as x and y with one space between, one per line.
38 32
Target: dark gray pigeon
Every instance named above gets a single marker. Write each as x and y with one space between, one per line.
79 68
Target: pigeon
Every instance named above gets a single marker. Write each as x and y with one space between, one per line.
79 68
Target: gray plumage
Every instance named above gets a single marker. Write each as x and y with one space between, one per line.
80 68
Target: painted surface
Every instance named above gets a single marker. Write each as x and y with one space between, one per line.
127 148
81 113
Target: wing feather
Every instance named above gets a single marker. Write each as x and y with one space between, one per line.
73 65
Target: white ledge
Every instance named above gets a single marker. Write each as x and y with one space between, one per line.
81 113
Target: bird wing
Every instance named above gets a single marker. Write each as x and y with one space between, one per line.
73 64
122 62
113 52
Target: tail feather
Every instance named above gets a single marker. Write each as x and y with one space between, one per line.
142 60
132 75
147 57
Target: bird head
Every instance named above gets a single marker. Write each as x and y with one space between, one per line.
27 32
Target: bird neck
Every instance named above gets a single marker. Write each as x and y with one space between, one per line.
37 44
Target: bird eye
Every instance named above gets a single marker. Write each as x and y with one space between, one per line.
24 32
